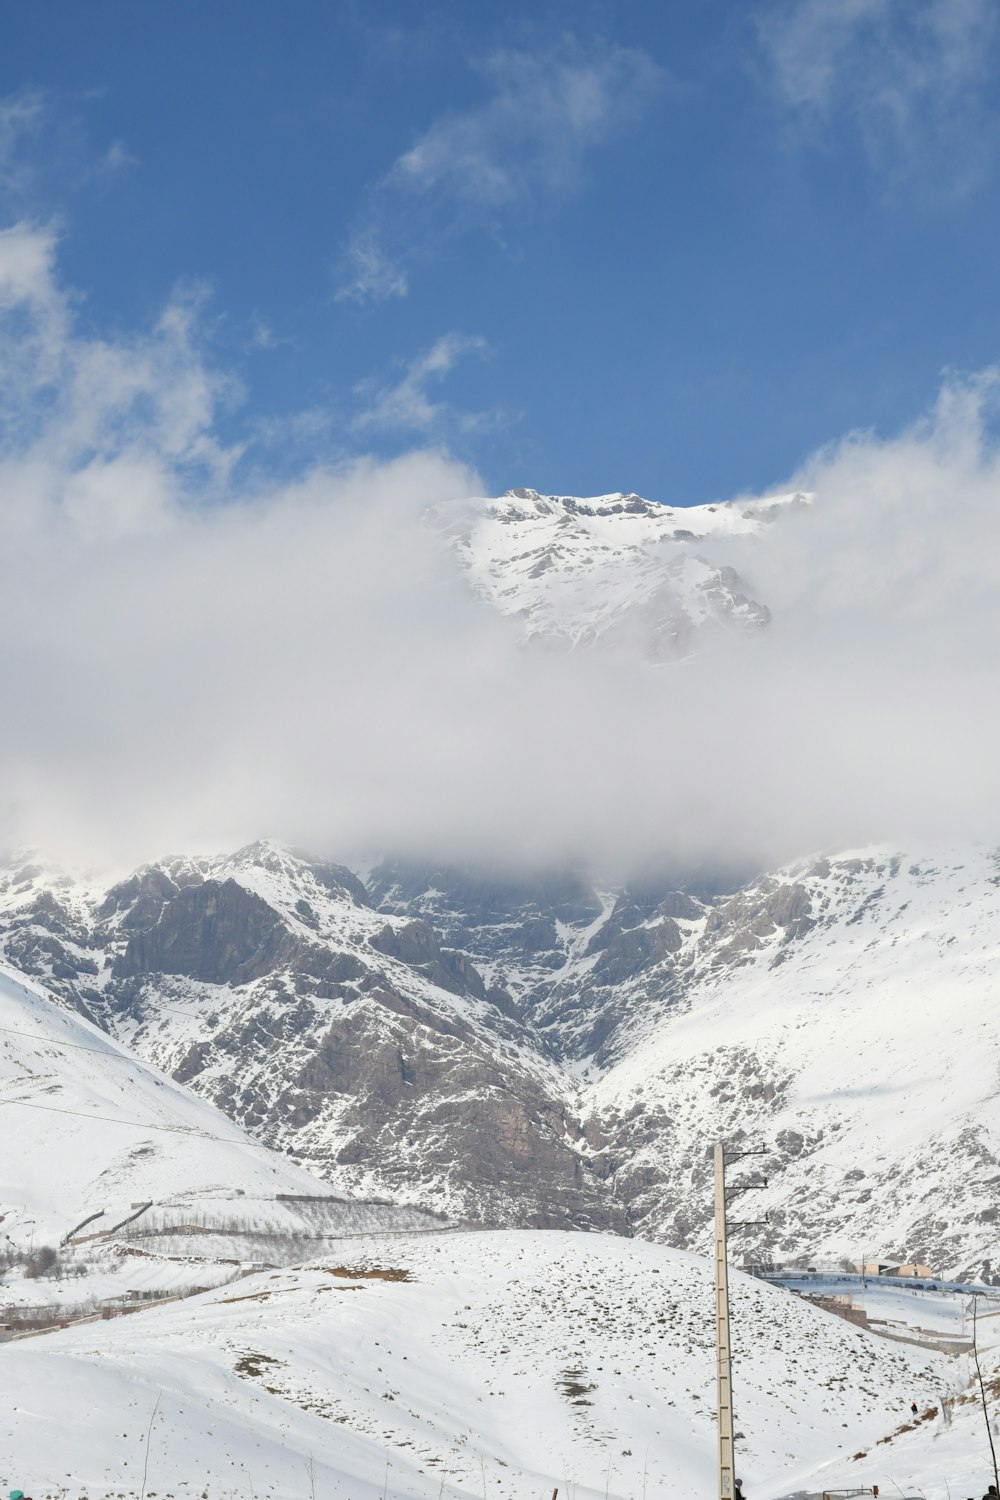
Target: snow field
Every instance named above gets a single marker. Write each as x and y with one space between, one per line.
518 1360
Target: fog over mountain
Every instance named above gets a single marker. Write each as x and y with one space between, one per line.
198 653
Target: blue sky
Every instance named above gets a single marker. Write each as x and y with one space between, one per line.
661 247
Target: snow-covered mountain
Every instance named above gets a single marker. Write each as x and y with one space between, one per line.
841 1014
844 1017
565 1056
270 984
614 568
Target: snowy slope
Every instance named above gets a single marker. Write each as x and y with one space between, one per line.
948 1455
91 1129
613 567
844 1016
514 1362
88 1126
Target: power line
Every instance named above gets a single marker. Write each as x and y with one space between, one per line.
83 1115
136 1062
114 1120
100 1051
77 1046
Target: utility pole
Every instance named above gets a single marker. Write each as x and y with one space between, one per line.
724 1362
723 1349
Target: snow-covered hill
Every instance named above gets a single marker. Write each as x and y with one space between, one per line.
613 568
102 1152
90 1128
445 1365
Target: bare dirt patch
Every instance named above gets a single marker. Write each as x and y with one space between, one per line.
575 1385
370 1273
253 1364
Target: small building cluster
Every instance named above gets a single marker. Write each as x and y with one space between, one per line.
822 1266
893 1268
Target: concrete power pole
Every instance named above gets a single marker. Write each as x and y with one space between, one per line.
723 1356
723 1348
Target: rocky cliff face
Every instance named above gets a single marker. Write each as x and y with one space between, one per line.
541 1052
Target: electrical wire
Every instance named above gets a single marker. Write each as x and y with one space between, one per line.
114 1120
136 1062
76 1046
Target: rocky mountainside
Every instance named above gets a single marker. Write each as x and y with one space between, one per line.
348 1037
841 1015
542 1053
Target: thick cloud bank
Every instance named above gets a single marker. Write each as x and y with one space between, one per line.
195 655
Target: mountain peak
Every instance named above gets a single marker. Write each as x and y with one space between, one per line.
617 568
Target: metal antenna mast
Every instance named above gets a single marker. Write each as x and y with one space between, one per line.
723 1351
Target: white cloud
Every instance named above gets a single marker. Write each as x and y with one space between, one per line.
528 139
70 402
406 404
543 113
910 74
27 258
35 319
262 336
193 659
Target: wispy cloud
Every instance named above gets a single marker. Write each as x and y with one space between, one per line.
261 335
407 405
372 275
910 75
21 118
48 154
542 113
